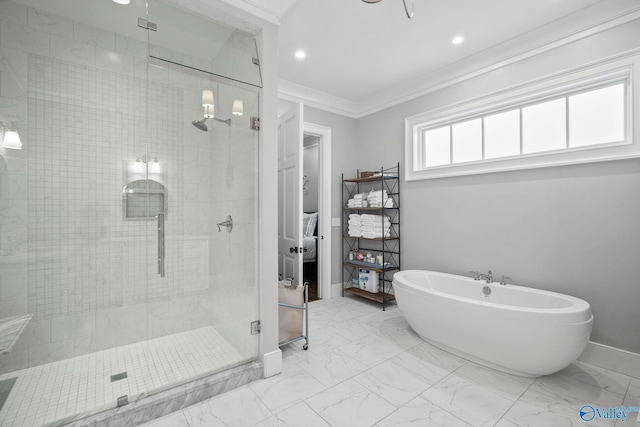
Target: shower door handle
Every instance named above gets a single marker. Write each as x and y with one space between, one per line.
161 244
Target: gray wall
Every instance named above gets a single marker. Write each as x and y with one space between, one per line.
570 229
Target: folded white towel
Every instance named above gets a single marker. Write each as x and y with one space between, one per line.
374 235
372 224
374 230
354 216
373 217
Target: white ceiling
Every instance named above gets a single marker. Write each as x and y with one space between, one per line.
356 51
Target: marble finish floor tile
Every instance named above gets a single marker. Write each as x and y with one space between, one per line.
395 383
509 386
332 367
472 402
420 412
371 350
286 389
239 408
297 415
350 404
429 362
539 410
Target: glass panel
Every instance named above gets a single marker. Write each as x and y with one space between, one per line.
203 45
544 126
108 145
210 160
437 146
502 135
467 141
597 117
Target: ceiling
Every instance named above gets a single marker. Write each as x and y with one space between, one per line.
355 50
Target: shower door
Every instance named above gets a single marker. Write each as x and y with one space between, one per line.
203 274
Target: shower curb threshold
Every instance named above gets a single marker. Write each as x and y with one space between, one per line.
157 405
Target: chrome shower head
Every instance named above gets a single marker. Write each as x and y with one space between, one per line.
200 124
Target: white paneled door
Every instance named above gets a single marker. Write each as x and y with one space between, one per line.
290 194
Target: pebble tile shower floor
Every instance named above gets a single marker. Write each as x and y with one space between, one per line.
83 385
366 367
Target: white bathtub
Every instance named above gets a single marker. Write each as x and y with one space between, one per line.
522 331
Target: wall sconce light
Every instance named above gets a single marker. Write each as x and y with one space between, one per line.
149 164
207 105
11 137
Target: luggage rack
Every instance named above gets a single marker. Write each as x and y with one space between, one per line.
304 307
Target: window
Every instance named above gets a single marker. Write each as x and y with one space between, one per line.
575 122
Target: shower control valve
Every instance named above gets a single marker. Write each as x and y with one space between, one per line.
227 223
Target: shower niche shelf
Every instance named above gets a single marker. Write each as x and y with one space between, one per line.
143 200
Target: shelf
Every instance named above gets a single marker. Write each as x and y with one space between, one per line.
387 183
369 209
377 239
379 297
369 266
370 179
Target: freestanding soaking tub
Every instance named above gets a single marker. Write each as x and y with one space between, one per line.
514 329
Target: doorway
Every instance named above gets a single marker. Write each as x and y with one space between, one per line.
316 185
310 218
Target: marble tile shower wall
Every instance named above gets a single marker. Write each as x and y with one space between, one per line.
79 96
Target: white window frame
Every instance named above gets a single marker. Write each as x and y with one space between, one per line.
519 97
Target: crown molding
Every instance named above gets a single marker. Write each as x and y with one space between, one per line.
535 42
294 92
271 11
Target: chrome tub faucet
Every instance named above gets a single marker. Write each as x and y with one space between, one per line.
479 276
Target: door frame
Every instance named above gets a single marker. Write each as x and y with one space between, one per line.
324 205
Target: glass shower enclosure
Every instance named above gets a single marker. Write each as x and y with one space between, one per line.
129 217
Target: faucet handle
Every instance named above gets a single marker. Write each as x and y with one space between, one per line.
476 275
504 279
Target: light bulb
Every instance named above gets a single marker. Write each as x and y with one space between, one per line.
208 111
12 140
137 167
155 166
238 107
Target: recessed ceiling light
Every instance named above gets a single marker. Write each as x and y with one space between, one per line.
457 40
301 54
122 1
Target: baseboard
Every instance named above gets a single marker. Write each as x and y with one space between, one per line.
614 359
272 363
336 290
